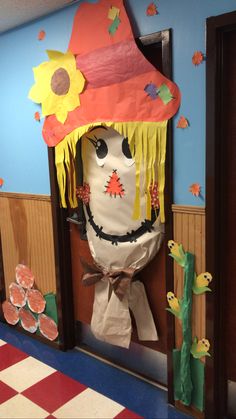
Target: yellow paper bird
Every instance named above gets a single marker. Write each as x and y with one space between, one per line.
203 345
173 302
203 279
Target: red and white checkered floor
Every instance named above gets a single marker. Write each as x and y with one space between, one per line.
31 389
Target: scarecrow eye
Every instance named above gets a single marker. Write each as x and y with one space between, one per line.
129 161
101 151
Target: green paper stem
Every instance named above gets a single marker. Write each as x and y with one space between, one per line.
185 372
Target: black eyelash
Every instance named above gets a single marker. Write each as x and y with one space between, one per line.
92 141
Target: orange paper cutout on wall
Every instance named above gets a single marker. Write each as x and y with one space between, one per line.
151 10
197 58
37 116
41 35
182 122
1 182
195 189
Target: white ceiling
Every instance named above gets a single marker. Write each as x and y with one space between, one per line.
16 12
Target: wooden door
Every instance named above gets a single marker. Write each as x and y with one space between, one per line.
156 48
221 215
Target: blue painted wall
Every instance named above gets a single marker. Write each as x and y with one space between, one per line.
23 154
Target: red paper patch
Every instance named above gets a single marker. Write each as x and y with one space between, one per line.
151 10
41 35
1 182
154 195
83 193
195 189
197 58
114 187
182 122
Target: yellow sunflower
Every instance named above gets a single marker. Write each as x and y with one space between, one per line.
57 85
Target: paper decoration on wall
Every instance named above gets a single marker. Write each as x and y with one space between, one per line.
27 305
113 13
48 327
41 35
1 182
151 10
151 89
175 304
113 187
57 85
10 313
197 58
163 92
188 371
200 348
114 26
154 196
195 189
37 116
115 142
24 276
201 283
182 122
177 252
83 193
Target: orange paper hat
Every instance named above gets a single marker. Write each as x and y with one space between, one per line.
116 74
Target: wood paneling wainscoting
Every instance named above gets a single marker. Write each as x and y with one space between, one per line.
189 229
27 237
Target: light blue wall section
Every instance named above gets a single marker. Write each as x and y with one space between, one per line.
23 154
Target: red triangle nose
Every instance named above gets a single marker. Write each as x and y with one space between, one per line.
114 187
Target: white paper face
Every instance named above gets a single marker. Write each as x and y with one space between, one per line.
109 170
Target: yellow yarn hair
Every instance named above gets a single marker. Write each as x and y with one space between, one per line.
147 142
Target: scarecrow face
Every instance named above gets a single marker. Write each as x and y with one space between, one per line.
109 170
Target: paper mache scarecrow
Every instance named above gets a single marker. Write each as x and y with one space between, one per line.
106 111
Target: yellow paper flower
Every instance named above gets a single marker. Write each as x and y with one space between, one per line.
57 85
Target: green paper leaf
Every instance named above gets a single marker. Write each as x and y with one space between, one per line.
114 26
201 290
165 94
176 313
180 261
198 355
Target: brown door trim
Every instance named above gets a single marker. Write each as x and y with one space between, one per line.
61 237
215 302
165 39
61 227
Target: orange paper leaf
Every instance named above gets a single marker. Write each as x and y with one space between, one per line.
41 35
151 10
182 122
195 189
37 116
1 182
197 58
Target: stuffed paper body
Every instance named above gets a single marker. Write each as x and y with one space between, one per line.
120 246
104 95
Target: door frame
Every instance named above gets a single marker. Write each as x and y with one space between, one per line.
216 392
62 234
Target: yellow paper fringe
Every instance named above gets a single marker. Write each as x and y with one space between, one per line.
148 146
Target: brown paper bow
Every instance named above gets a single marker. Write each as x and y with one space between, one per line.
119 279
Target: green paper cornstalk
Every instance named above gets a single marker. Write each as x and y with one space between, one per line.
185 372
